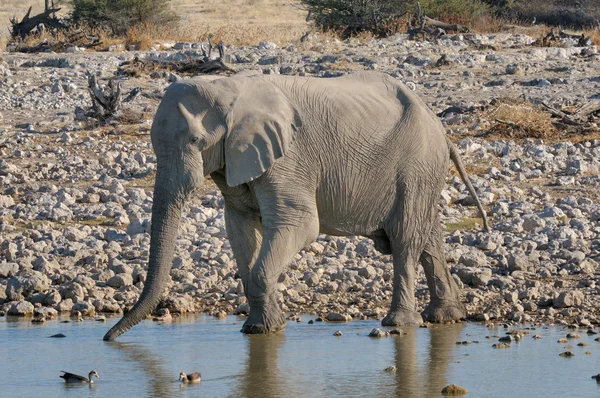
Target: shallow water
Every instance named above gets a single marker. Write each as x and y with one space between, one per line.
304 361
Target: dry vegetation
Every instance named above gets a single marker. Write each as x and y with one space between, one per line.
247 22
517 119
236 22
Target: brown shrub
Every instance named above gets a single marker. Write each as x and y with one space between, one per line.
517 119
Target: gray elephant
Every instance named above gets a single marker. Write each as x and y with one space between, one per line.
295 157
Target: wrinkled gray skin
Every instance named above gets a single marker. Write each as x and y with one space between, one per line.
295 156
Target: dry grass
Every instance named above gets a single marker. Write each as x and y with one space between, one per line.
517 119
593 34
464 224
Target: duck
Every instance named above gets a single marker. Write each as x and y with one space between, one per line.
73 378
191 378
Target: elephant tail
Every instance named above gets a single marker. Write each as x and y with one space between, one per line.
455 157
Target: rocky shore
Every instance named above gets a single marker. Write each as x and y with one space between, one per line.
75 197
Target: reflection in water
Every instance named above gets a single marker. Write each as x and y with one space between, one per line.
306 361
410 380
442 343
261 377
159 382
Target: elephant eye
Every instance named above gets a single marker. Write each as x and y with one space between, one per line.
194 139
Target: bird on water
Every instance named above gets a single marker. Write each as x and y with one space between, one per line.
191 378
73 378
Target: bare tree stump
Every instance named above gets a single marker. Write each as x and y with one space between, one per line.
107 100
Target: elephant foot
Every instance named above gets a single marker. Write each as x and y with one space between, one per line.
440 311
402 318
260 322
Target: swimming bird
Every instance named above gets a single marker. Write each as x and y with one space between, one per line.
191 378
73 378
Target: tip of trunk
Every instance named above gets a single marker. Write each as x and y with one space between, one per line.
111 335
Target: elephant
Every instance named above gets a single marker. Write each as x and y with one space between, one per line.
296 156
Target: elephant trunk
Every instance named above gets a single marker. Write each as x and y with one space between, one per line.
166 214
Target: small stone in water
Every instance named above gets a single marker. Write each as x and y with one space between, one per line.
379 333
591 332
588 353
573 336
536 336
597 377
391 369
464 342
597 339
582 345
337 317
567 354
221 314
562 341
501 345
57 336
101 318
338 333
396 332
453 389
311 322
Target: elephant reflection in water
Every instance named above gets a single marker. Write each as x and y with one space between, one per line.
160 379
262 377
411 379
418 375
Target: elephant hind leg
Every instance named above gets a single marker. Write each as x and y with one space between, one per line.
408 231
403 308
445 304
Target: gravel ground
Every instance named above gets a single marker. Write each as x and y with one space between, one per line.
75 197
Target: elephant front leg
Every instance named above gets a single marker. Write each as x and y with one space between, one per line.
279 246
245 237
445 304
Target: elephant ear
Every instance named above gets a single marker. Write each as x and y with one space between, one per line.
262 127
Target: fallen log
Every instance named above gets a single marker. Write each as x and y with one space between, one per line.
445 26
200 65
585 111
423 25
566 119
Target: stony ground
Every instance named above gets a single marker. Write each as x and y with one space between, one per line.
75 197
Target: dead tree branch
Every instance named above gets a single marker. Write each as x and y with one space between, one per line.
554 36
193 66
27 24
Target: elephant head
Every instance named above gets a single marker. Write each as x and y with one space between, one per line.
240 125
